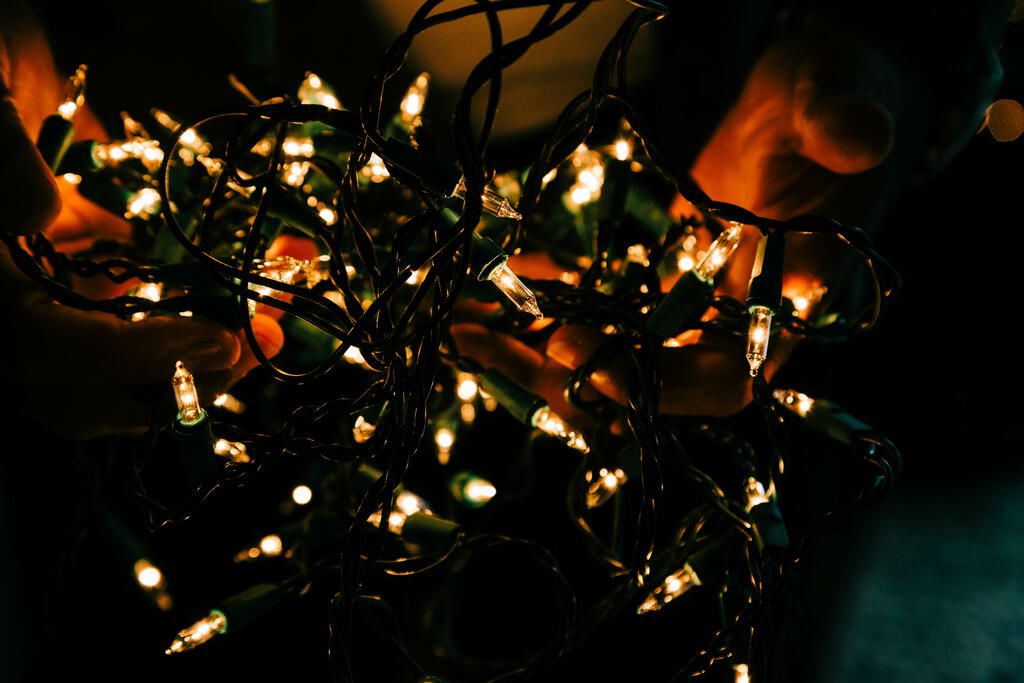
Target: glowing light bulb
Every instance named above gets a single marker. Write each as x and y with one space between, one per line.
804 297
328 215
145 202
638 253
604 486
74 94
362 430
755 493
302 494
189 412
406 505
758 336
147 575
518 293
589 177
493 202
471 490
271 545
132 128
375 170
354 355
234 451
719 252
313 90
623 149
551 423
741 673
409 502
229 403
467 386
415 98
479 491
675 584
294 173
799 403
445 439
150 291
199 632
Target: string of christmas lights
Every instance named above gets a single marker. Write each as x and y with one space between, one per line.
406 236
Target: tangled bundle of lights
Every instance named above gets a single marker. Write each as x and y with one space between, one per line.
406 235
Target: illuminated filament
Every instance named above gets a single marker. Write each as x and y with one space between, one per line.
150 291
719 252
589 177
757 337
189 412
467 387
406 504
199 632
552 424
799 403
152 581
674 585
229 403
477 491
302 494
375 170
313 90
755 493
415 98
623 149
518 293
74 94
445 439
362 430
604 486
231 450
805 299
741 673
147 575
493 202
145 202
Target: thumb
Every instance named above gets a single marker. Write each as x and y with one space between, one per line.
28 190
843 132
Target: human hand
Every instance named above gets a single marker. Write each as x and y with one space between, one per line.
83 374
824 125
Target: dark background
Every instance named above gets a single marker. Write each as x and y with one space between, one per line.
925 587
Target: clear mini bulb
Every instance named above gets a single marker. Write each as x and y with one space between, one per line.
719 252
415 98
313 90
198 633
477 491
231 450
675 584
741 673
604 486
799 403
551 423
186 396
755 493
518 293
757 337
74 94
493 202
